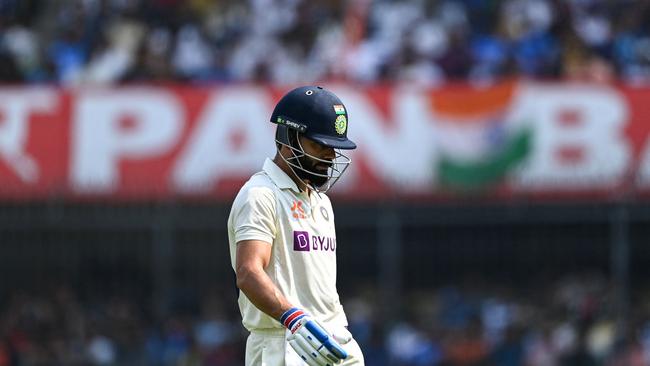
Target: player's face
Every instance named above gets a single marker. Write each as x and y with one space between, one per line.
319 151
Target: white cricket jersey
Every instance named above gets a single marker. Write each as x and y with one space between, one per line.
300 229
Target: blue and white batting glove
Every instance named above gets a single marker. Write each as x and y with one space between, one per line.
310 340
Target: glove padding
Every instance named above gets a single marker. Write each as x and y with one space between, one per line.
310 340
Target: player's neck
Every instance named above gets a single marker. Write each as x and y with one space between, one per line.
288 171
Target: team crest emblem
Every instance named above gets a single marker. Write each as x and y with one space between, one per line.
341 124
325 214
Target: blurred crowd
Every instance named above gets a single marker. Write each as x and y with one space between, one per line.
570 321
81 42
60 326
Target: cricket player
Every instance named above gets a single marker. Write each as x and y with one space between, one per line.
283 241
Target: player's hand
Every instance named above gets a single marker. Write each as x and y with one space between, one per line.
310 340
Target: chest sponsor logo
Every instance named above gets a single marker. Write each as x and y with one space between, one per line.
304 242
297 211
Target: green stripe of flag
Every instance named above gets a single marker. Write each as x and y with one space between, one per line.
492 169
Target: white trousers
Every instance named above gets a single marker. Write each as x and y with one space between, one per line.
270 348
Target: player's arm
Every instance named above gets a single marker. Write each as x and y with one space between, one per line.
253 257
308 338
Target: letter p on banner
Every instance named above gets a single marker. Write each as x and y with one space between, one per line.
133 124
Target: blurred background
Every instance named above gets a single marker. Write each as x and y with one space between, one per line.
496 211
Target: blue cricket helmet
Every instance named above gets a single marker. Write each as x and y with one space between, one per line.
316 113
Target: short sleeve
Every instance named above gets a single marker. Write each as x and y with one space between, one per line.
254 216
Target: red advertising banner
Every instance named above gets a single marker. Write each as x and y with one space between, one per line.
178 142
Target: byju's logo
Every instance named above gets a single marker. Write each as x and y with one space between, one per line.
301 241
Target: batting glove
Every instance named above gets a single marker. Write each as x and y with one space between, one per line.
310 340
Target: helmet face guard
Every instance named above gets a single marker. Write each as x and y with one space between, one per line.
296 161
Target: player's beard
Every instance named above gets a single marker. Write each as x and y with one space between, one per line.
310 165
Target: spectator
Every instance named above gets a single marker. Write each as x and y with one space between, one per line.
298 41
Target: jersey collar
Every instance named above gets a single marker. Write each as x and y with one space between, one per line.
278 176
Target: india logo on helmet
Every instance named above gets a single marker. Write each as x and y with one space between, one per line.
340 124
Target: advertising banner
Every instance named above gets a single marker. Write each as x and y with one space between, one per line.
509 140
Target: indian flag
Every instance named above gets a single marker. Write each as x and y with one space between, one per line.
339 109
480 143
